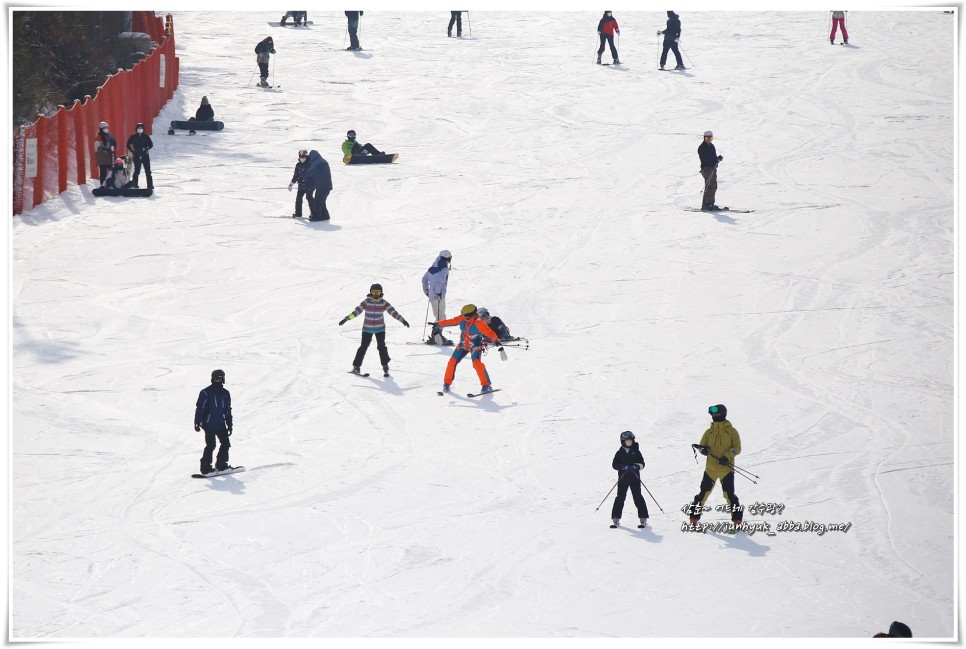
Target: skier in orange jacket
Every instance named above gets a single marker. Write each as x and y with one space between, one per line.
474 334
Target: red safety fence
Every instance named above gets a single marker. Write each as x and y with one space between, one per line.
59 149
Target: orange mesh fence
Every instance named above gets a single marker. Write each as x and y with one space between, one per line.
58 150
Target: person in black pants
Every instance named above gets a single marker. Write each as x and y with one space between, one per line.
455 17
629 463
304 189
671 35
606 28
138 145
213 414
353 19
709 171
318 178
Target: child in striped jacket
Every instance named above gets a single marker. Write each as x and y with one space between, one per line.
374 324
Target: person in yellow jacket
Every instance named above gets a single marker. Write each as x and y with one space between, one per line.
720 444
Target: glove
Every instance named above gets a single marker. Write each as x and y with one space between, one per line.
677 40
639 466
723 461
290 186
197 427
720 158
343 321
405 324
229 431
703 450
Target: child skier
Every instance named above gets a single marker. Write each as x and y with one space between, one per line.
474 334
304 189
606 28
375 306
720 444
628 462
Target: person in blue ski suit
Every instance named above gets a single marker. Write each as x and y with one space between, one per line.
213 415
318 178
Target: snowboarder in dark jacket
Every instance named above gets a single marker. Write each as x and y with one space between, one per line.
262 52
205 112
709 170
213 415
628 462
606 28
318 179
139 144
352 17
671 35
304 189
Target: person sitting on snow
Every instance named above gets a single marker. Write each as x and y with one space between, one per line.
496 324
351 147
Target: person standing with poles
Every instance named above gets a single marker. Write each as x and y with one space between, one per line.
375 305
606 29
709 170
352 18
838 20
628 462
434 287
455 17
262 55
672 33
720 444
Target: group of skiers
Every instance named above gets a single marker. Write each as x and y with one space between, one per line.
608 27
114 167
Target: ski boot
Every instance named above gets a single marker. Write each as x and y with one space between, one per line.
680 67
486 388
170 131
446 387
617 61
845 42
616 522
191 131
385 370
643 523
598 60
355 370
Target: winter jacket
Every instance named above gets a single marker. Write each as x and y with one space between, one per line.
139 144
722 441
299 175
263 49
607 25
497 325
624 461
435 279
351 147
838 14
317 175
472 331
205 113
106 143
375 321
213 410
708 155
117 177
673 29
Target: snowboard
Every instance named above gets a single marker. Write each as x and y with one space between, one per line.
288 23
130 192
234 469
370 159
197 126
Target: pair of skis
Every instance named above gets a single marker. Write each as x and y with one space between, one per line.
471 395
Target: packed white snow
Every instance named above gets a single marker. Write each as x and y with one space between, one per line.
373 507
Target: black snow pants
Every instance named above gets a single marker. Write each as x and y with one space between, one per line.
221 462
673 46
629 479
380 345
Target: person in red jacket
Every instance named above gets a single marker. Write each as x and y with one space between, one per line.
474 334
607 27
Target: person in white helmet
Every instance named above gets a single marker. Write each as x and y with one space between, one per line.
434 287
304 189
709 171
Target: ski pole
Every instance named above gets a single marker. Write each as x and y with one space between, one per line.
273 69
253 74
651 495
469 23
426 318
685 55
608 495
659 50
345 36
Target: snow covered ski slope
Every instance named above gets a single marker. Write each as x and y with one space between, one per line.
372 507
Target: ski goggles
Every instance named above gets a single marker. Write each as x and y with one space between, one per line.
713 410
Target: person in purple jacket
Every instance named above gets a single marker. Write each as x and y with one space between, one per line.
375 305
434 287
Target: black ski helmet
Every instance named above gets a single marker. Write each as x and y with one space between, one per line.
351 135
375 287
627 435
718 412
218 374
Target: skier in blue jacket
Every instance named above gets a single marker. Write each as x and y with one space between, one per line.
318 177
213 414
